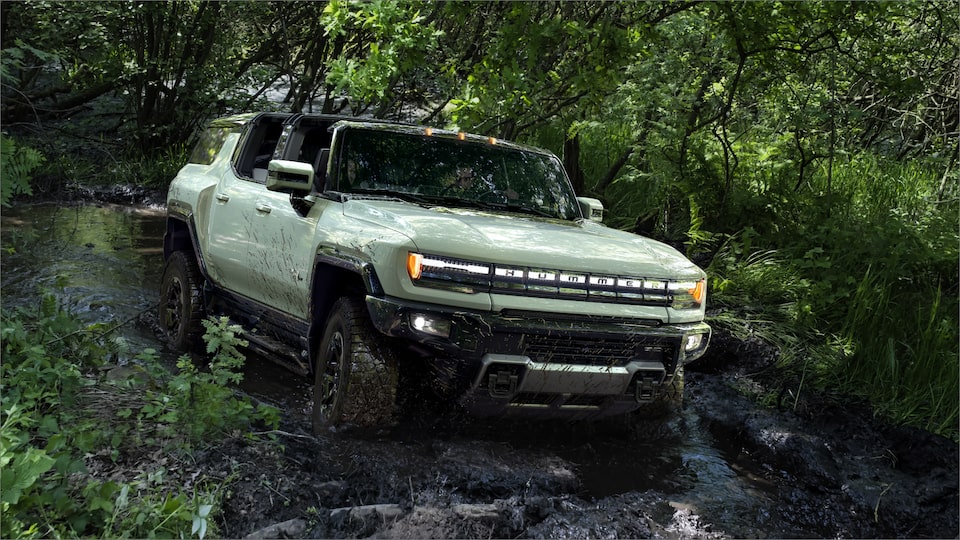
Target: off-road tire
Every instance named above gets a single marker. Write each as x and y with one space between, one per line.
181 310
355 371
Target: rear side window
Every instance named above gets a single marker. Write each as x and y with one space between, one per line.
209 145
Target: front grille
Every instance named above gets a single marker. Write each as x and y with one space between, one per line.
546 349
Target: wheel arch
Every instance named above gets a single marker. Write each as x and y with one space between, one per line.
336 275
181 236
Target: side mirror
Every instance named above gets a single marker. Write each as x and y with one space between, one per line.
289 176
592 209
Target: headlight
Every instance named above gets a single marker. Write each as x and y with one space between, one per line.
687 294
447 273
695 343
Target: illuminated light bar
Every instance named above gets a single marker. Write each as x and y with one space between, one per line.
681 285
510 273
474 276
629 283
573 279
468 267
542 276
603 281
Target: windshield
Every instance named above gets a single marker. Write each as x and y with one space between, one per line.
437 170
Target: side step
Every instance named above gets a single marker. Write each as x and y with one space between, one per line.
278 352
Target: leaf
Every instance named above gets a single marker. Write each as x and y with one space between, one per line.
23 474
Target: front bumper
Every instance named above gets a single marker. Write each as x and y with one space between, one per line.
546 363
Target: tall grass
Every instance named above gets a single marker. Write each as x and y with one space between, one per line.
852 272
904 354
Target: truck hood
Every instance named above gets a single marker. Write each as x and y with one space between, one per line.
523 240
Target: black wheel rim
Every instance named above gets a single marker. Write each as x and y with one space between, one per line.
173 313
332 363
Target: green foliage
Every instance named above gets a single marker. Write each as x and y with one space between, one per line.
55 414
856 297
95 165
903 353
200 404
145 509
392 40
17 162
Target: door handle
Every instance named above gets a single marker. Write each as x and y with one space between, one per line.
264 208
223 197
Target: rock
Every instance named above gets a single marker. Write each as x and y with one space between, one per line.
476 511
383 511
293 528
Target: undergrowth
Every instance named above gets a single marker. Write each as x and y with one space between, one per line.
860 297
65 418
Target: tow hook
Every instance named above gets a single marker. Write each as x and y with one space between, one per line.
647 388
503 384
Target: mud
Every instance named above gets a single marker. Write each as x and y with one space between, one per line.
723 466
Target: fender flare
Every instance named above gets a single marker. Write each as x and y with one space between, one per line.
181 233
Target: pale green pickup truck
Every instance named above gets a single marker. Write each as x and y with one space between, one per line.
353 250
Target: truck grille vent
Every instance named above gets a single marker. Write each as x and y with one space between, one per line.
592 352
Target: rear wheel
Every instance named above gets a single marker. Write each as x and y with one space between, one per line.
356 371
181 302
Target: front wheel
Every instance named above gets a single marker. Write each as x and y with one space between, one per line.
181 302
356 372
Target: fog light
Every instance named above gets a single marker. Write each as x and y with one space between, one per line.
430 325
693 342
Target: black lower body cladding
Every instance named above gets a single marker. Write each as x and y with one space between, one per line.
571 366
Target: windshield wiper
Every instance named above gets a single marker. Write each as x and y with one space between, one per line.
530 209
518 207
486 205
390 194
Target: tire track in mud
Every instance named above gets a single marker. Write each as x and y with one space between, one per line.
723 467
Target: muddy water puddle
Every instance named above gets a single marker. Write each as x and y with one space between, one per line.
105 262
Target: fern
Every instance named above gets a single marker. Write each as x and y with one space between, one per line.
16 164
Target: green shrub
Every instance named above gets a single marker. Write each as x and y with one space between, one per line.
55 410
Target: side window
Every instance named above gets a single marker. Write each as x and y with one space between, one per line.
258 148
208 146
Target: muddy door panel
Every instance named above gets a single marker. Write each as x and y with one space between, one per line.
282 252
230 232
